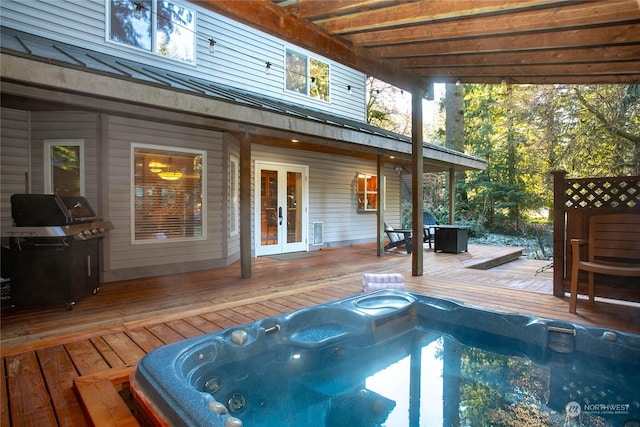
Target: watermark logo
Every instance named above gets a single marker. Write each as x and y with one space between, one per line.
573 408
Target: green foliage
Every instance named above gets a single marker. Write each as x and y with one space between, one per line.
503 391
388 107
526 131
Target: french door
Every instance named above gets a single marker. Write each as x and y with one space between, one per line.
281 208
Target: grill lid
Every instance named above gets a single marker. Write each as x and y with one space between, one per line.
38 210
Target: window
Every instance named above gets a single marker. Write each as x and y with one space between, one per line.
157 26
307 76
168 195
64 167
234 195
367 192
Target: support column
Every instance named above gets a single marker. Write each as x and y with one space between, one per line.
245 206
559 225
452 195
417 172
380 208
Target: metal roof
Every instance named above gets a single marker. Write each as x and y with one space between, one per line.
41 49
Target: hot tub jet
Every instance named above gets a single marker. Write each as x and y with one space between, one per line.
236 403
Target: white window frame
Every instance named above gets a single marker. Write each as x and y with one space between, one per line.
132 197
234 195
48 144
308 57
154 32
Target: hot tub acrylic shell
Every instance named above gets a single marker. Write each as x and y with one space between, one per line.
194 382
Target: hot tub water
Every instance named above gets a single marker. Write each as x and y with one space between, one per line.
395 359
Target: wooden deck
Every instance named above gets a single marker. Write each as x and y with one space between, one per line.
60 366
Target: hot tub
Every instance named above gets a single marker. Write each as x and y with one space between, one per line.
394 358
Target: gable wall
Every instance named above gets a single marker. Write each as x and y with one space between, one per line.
239 60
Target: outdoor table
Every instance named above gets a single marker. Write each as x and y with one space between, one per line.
451 238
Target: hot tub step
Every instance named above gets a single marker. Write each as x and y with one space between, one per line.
503 257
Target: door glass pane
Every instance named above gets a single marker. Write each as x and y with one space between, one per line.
269 207
294 208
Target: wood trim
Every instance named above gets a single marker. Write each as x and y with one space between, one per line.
101 401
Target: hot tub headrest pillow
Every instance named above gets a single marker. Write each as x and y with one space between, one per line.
373 282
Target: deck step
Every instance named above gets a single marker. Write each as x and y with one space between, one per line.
502 257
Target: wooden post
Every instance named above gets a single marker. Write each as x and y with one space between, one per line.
417 171
380 208
452 196
558 232
245 206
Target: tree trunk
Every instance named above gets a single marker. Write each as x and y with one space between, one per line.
454 128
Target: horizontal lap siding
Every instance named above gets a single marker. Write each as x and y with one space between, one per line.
14 158
125 255
332 193
238 61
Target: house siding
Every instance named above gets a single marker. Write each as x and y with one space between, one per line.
148 259
107 150
239 60
14 159
108 136
332 194
64 126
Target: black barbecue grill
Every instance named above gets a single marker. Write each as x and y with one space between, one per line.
54 249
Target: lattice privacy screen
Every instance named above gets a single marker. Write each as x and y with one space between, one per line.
618 192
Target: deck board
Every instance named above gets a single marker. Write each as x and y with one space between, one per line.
202 324
4 400
165 333
145 339
109 355
29 402
58 372
125 347
114 329
87 357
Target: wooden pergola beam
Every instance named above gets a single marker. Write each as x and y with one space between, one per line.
434 28
419 13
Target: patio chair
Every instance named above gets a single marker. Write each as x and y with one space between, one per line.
545 241
374 282
397 238
427 221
